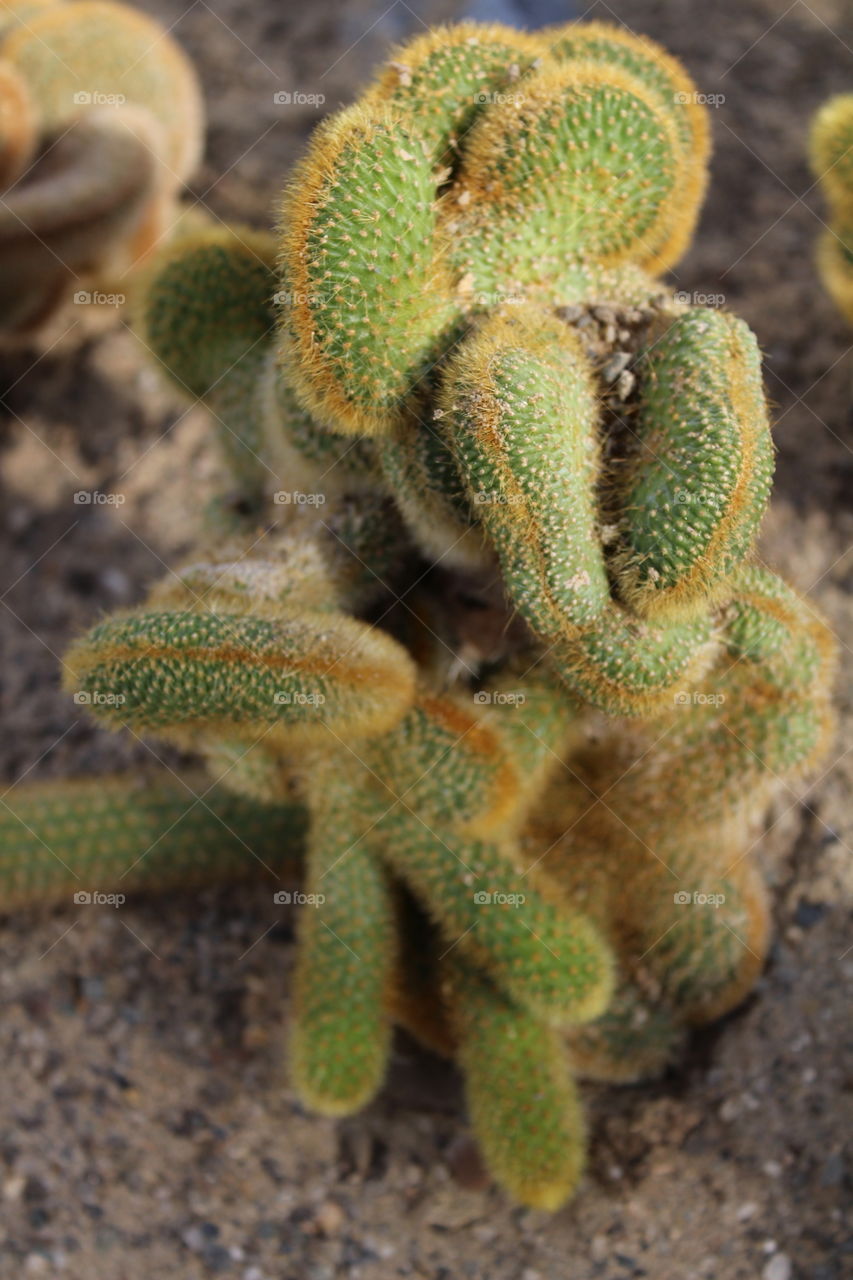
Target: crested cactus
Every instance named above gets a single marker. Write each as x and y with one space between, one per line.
440 285
100 124
832 165
459 353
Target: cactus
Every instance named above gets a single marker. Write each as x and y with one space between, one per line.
832 165
461 352
114 107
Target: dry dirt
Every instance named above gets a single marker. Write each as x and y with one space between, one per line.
145 1125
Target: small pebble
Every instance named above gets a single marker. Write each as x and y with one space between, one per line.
117 583
217 1258
833 1171
599 1248
193 1239
466 1165
625 384
778 1268
615 365
13 1187
329 1218
729 1111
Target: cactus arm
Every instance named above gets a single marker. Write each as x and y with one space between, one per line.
675 93
359 257
178 673
521 1098
831 147
205 311
137 835
347 960
626 667
521 412
701 479
547 959
445 78
831 151
585 165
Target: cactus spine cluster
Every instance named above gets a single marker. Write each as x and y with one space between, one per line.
100 125
458 352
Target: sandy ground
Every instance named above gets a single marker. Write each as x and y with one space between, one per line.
146 1128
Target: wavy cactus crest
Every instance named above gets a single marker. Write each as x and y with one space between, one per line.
100 124
443 277
832 164
460 353
463 292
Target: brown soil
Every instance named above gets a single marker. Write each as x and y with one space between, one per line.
146 1128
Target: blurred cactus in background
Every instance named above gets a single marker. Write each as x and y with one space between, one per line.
101 123
832 165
